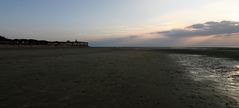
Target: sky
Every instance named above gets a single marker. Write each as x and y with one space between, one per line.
124 22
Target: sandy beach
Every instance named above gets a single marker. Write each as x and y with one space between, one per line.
101 78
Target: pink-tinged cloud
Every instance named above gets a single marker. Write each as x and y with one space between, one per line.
224 33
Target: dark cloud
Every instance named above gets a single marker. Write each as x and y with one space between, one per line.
197 26
206 29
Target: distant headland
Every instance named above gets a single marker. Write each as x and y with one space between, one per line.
33 42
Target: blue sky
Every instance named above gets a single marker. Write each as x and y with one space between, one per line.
101 20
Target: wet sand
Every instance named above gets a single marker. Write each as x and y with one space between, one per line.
100 78
222 73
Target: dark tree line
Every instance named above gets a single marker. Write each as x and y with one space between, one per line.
6 41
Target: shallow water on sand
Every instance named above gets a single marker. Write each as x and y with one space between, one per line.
222 72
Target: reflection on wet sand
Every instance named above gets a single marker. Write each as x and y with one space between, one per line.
222 72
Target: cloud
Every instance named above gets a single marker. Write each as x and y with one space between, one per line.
210 33
206 29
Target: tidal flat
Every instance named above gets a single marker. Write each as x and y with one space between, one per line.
118 78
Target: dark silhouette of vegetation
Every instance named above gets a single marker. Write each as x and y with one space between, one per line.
22 42
3 38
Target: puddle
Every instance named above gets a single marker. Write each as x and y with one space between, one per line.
224 73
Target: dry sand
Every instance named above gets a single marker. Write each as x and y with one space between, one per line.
99 78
